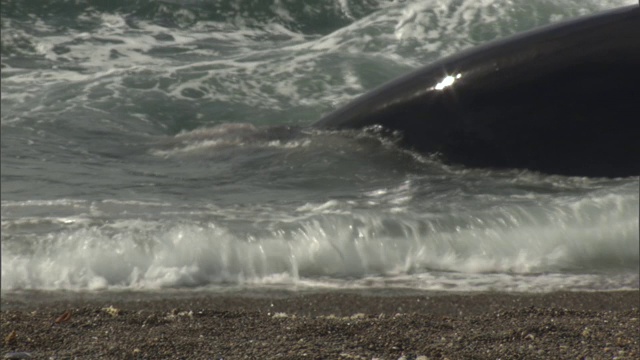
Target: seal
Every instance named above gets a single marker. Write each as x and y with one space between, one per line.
561 99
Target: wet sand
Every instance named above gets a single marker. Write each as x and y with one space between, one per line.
328 325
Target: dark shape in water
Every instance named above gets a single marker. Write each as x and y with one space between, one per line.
562 99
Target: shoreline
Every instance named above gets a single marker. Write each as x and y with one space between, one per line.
325 325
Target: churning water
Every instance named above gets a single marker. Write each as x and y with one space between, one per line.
164 144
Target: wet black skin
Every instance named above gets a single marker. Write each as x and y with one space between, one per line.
563 99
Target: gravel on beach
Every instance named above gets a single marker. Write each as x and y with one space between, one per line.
325 325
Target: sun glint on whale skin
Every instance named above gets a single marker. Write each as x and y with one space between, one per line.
561 99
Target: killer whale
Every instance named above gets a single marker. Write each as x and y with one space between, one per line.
562 99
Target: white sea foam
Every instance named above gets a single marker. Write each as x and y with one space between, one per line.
455 229
229 136
406 34
572 245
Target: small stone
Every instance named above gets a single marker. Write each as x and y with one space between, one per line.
111 311
17 355
621 341
64 317
11 338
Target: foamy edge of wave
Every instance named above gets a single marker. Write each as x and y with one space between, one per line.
349 249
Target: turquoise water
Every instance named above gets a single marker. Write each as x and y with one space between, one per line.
164 144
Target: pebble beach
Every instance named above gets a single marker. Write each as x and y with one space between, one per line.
329 325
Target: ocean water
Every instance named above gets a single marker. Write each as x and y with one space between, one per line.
160 145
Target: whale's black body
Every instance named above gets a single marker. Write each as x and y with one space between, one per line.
563 99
